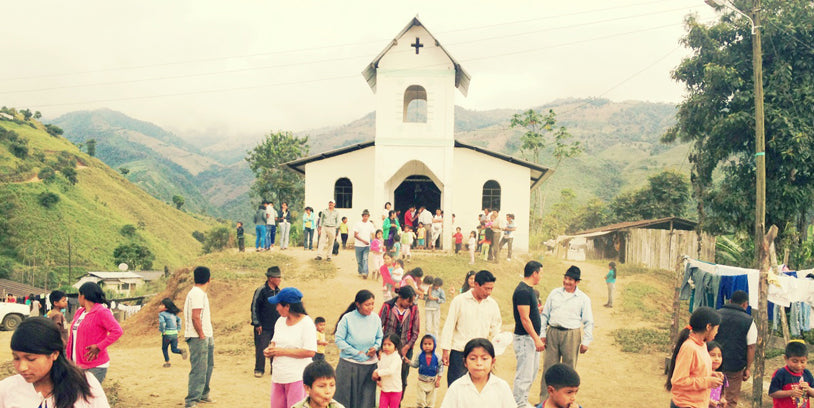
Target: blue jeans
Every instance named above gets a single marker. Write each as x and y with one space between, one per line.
361 259
202 361
260 232
308 234
169 341
271 230
528 361
99 372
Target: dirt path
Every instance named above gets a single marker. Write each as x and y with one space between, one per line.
610 378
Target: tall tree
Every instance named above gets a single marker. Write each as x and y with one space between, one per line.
717 116
272 180
179 201
90 145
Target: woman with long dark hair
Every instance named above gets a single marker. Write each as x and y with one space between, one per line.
93 330
358 336
293 346
45 378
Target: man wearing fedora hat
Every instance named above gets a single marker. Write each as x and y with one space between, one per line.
264 316
566 311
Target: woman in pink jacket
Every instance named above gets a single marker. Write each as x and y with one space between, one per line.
93 329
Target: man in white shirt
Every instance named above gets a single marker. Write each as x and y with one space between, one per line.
425 217
568 324
198 332
472 314
362 234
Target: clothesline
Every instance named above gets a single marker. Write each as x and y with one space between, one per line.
718 282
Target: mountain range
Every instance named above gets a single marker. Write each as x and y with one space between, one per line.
621 142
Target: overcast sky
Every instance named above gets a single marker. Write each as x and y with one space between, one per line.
247 67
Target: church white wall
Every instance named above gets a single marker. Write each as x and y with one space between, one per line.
434 71
321 175
471 171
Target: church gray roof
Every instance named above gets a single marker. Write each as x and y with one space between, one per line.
462 78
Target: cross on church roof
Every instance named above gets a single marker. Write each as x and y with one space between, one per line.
417 45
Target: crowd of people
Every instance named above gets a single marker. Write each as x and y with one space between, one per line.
62 364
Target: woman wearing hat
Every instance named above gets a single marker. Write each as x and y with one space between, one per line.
293 345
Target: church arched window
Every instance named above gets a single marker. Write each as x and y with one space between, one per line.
491 195
343 193
415 104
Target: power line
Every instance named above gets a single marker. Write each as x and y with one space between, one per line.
252 55
539 49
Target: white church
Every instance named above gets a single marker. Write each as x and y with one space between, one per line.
414 159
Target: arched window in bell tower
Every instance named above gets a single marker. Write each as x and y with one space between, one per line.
415 104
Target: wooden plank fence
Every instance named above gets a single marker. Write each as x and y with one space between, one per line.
657 248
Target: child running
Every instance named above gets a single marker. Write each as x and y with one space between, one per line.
376 252
473 245
319 381
562 385
479 388
690 377
791 385
168 324
430 369
388 375
716 395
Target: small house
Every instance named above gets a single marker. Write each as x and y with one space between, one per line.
121 282
651 243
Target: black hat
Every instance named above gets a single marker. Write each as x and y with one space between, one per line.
573 272
274 272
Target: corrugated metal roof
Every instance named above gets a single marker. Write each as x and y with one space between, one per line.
661 223
17 288
462 78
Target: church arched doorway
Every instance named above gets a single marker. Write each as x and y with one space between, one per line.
416 191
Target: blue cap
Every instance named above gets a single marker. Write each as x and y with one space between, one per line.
287 295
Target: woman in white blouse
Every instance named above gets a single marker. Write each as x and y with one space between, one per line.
45 378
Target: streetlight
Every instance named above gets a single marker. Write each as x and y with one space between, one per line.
760 187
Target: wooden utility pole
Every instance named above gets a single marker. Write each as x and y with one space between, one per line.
761 318
679 278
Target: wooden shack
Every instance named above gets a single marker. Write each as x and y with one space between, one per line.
650 243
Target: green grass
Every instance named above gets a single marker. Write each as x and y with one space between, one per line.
643 340
90 214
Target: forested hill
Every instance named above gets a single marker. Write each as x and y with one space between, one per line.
60 206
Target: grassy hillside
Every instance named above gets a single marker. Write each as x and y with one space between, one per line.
89 214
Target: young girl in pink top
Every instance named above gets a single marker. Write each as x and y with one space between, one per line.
690 377
376 251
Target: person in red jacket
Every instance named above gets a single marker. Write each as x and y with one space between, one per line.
92 331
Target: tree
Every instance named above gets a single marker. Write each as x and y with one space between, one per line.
48 199
717 117
70 174
128 231
137 257
124 170
27 114
272 180
666 195
37 115
542 135
47 174
178 200
90 145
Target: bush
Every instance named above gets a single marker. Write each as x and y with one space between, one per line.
47 174
128 231
198 235
53 130
216 239
48 199
19 149
70 174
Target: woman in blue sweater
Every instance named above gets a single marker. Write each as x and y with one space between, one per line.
358 336
168 324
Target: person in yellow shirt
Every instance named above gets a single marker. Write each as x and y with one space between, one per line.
343 232
319 322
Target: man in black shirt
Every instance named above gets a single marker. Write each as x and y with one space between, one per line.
527 343
264 316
